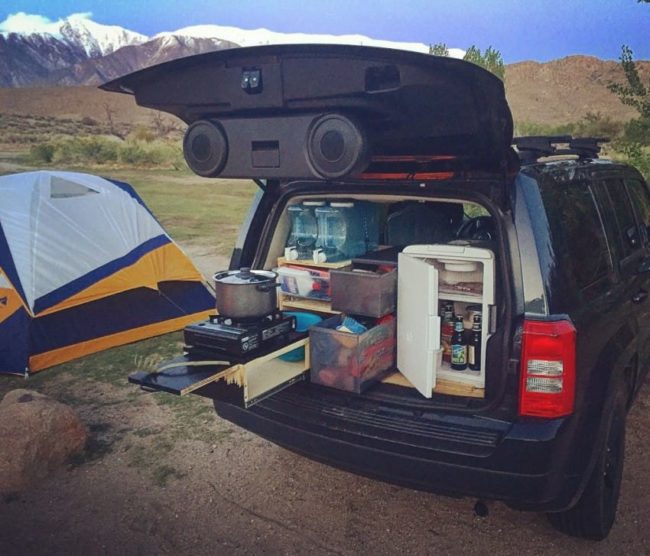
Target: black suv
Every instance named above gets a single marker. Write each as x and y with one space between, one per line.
568 344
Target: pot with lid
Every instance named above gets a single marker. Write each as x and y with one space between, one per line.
245 294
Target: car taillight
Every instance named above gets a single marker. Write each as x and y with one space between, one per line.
548 369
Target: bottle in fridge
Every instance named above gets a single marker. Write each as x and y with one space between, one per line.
446 331
458 346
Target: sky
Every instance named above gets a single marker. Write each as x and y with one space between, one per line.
520 29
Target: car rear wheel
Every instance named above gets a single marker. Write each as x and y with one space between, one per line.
593 516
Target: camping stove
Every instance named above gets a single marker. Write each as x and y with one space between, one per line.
235 338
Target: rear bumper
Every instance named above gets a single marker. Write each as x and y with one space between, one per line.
520 464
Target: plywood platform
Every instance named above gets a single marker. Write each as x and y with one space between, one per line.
295 302
311 264
185 374
443 386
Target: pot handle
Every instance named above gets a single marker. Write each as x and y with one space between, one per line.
267 287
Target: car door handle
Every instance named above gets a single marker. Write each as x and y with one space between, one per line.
639 296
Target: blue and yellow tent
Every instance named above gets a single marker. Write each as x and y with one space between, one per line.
84 266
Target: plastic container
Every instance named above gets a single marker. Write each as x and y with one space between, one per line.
346 230
304 230
351 362
304 321
364 292
304 282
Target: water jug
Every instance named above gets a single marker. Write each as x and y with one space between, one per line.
346 229
304 230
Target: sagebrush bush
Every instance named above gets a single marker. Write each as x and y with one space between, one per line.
42 153
638 131
639 157
594 124
98 150
142 133
137 155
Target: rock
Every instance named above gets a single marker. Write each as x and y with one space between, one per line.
37 435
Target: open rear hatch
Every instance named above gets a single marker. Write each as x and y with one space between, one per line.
328 111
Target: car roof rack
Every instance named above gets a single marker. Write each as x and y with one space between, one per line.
533 147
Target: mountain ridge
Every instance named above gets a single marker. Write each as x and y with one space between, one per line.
78 52
44 50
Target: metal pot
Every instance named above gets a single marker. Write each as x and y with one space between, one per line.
246 294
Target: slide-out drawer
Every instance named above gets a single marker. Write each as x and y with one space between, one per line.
244 383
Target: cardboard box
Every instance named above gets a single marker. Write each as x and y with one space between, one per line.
351 362
368 293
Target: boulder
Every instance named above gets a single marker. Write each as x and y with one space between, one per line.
37 435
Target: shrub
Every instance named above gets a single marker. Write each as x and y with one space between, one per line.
533 128
594 124
638 157
42 153
98 150
142 133
638 131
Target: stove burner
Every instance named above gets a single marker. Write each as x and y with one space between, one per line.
236 338
228 321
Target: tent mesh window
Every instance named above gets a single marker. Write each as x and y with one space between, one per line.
64 189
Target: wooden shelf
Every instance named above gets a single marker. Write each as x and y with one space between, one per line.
317 305
462 297
468 376
311 264
443 386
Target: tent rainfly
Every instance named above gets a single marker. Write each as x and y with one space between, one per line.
85 266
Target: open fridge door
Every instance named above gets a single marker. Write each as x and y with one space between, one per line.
418 323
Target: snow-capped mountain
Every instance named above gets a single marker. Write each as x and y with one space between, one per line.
33 49
95 71
96 39
79 51
77 30
255 37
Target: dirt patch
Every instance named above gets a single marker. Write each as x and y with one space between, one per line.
168 476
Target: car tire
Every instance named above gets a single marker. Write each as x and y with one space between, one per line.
593 516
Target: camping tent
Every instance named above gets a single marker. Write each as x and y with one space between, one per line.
85 266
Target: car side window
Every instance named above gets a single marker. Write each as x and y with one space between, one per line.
641 201
628 236
586 241
576 218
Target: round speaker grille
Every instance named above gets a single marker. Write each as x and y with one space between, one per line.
205 148
336 146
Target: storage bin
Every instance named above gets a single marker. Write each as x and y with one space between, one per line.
368 293
304 282
303 322
351 362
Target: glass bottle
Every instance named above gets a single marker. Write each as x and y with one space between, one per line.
446 331
458 346
475 344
